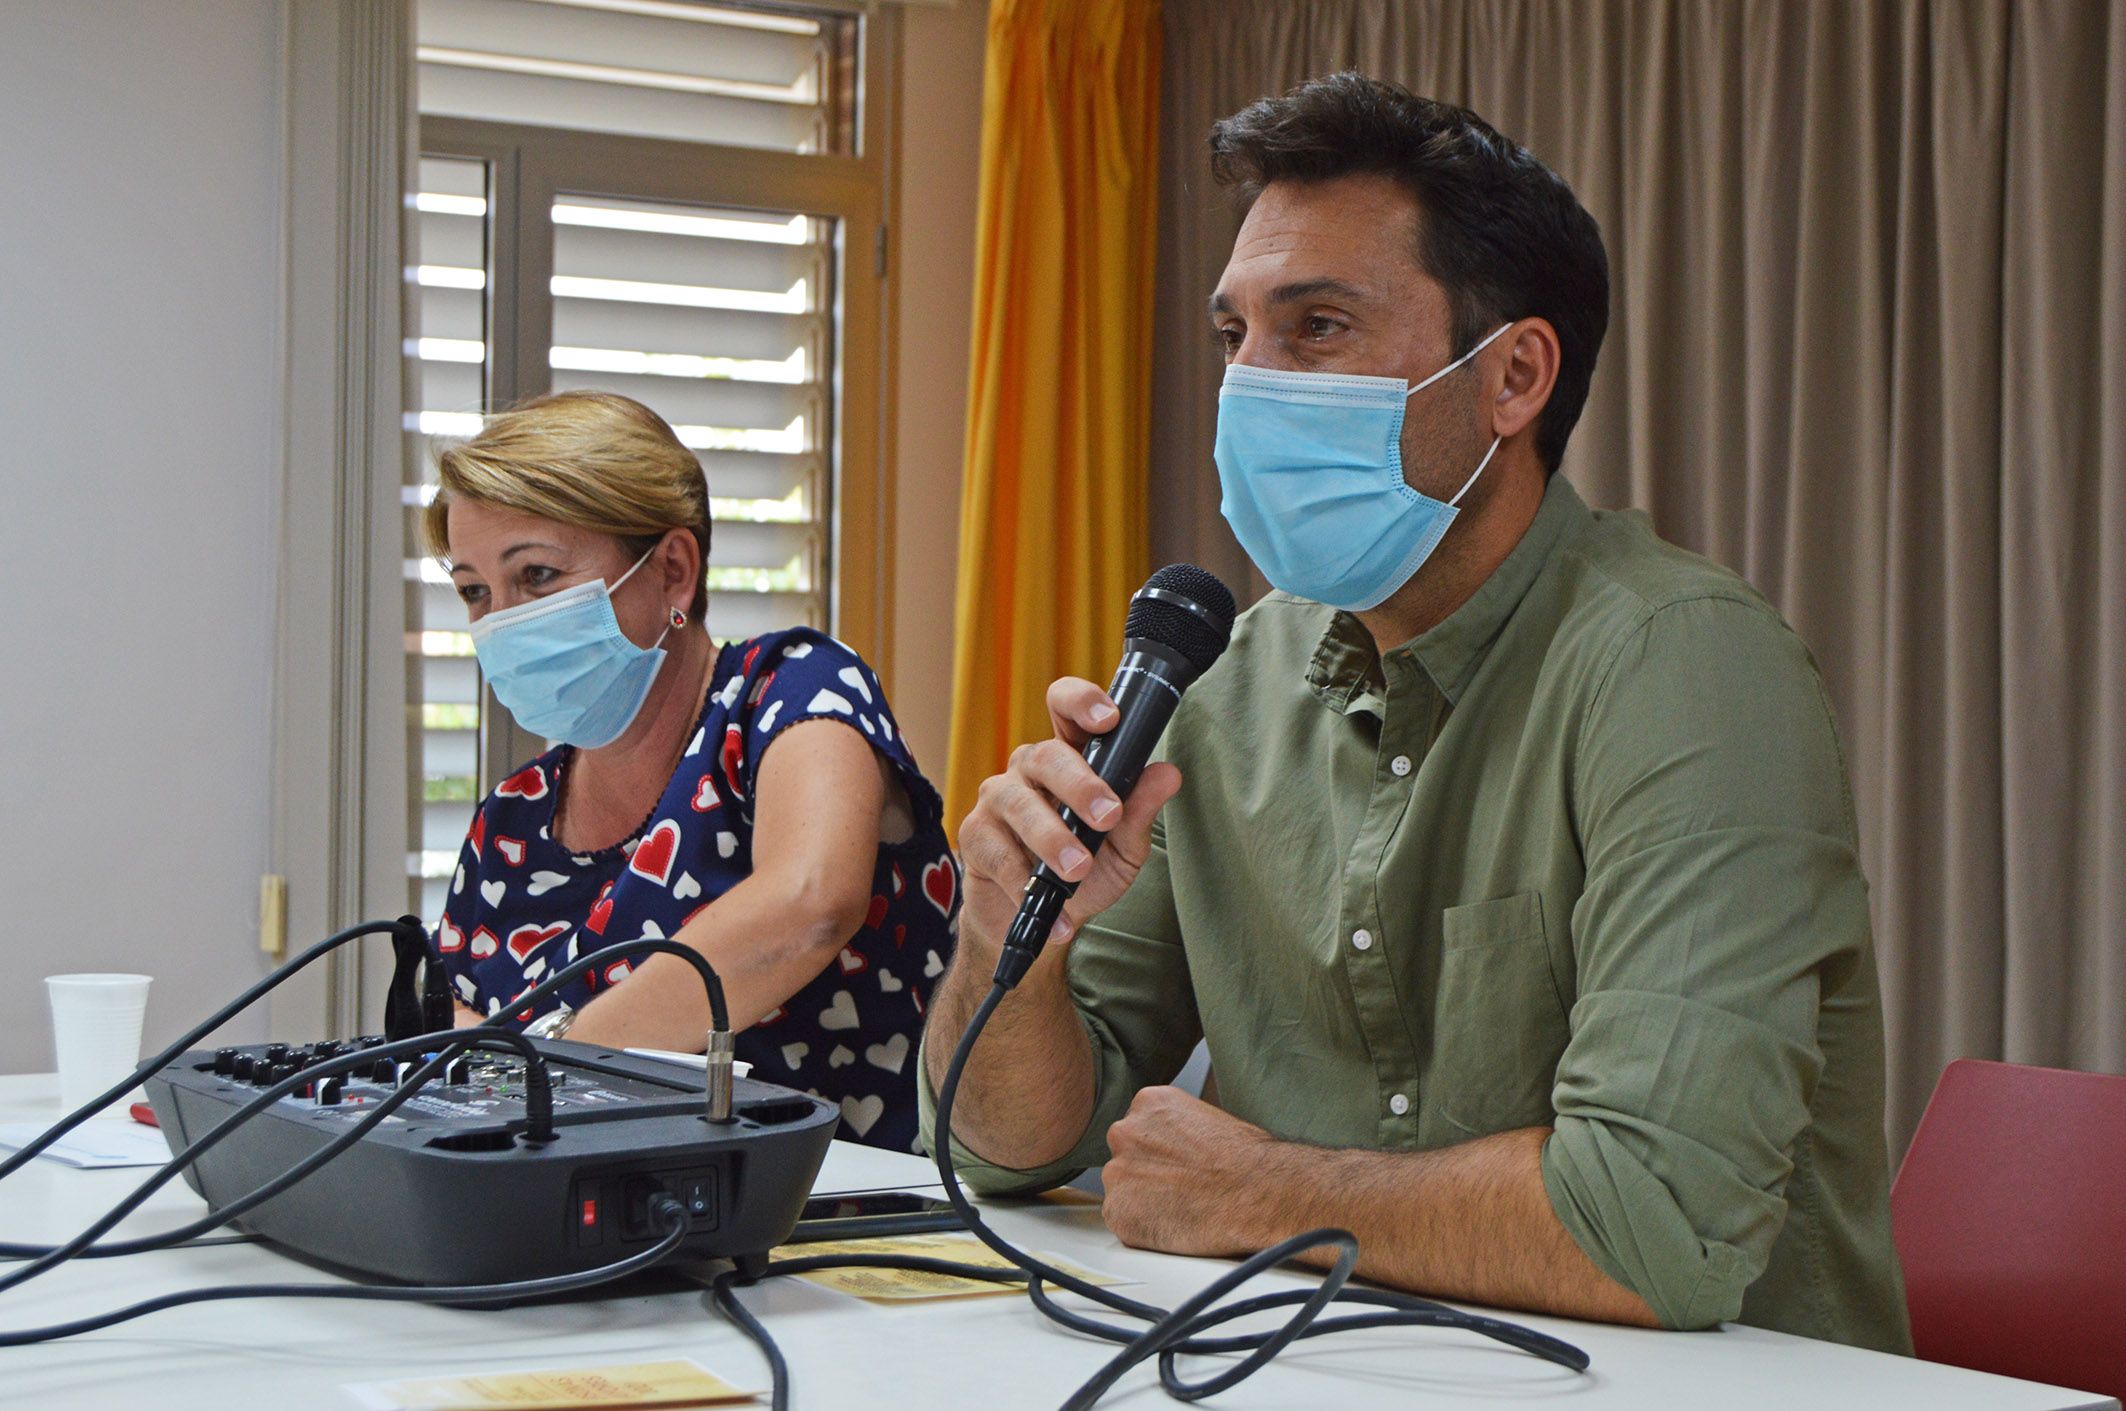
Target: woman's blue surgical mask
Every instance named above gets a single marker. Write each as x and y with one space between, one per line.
1311 464
562 666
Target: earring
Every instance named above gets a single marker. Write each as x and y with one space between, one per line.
679 617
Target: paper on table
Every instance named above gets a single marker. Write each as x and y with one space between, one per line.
902 1285
739 1067
679 1382
93 1144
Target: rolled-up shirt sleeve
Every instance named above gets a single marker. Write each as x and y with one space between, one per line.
1129 981
1723 900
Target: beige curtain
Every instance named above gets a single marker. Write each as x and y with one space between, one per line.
1868 348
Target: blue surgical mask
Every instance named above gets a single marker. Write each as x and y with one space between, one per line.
562 666
1311 464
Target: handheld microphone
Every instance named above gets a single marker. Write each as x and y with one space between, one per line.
1179 623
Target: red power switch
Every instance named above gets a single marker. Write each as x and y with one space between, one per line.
589 1230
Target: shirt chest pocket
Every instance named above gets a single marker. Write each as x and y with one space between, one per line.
1499 1026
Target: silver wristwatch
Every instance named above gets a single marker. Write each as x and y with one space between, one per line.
551 1025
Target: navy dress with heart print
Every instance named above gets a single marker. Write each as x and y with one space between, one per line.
521 905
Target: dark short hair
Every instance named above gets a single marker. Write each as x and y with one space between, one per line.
1502 233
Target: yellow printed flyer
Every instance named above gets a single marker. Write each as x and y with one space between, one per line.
676 1383
905 1285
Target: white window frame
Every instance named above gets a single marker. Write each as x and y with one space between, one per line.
343 820
530 167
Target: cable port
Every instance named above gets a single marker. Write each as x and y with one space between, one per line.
695 1191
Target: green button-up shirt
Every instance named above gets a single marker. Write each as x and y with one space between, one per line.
1581 856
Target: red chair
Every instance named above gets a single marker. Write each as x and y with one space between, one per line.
2010 1218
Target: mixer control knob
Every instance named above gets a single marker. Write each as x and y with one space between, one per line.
225 1061
329 1090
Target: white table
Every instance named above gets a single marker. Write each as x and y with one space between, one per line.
983 1352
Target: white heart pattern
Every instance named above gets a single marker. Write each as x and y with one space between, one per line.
512 850
831 700
855 679
726 844
457 883
841 1014
889 1055
543 882
796 650
767 717
794 1054
651 931
840 1058
694 747
865 721
932 966
890 982
686 888
493 892
483 944
862 1114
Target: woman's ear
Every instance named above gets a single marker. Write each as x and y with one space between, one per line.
679 560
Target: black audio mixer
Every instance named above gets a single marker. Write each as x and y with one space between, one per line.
446 1191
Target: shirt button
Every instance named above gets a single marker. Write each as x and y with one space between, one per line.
1400 764
1362 938
1399 1105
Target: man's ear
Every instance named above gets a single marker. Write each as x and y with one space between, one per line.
1530 370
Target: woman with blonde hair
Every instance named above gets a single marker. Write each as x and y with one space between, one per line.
755 801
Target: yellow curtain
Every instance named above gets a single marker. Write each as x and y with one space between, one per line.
1052 516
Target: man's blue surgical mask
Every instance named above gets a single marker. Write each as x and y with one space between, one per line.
562 666
1311 464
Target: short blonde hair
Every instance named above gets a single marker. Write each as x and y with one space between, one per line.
596 460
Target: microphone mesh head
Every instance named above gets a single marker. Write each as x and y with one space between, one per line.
1175 626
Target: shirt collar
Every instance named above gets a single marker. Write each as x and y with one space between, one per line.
1345 669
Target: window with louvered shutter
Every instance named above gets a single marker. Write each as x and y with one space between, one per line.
659 199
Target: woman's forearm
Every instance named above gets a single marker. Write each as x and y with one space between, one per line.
765 944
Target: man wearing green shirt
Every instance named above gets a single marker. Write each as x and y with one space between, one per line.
1506 862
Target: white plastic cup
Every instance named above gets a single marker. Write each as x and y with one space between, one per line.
95 1031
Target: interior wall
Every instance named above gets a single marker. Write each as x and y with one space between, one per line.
138 405
938 163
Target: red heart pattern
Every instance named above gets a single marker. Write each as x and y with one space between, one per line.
654 855
526 939
876 916
734 759
601 911
478 836
483 944
527 783
941 884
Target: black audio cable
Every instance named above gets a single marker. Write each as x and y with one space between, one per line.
1171 1333
93 1251
663 1208
403 926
